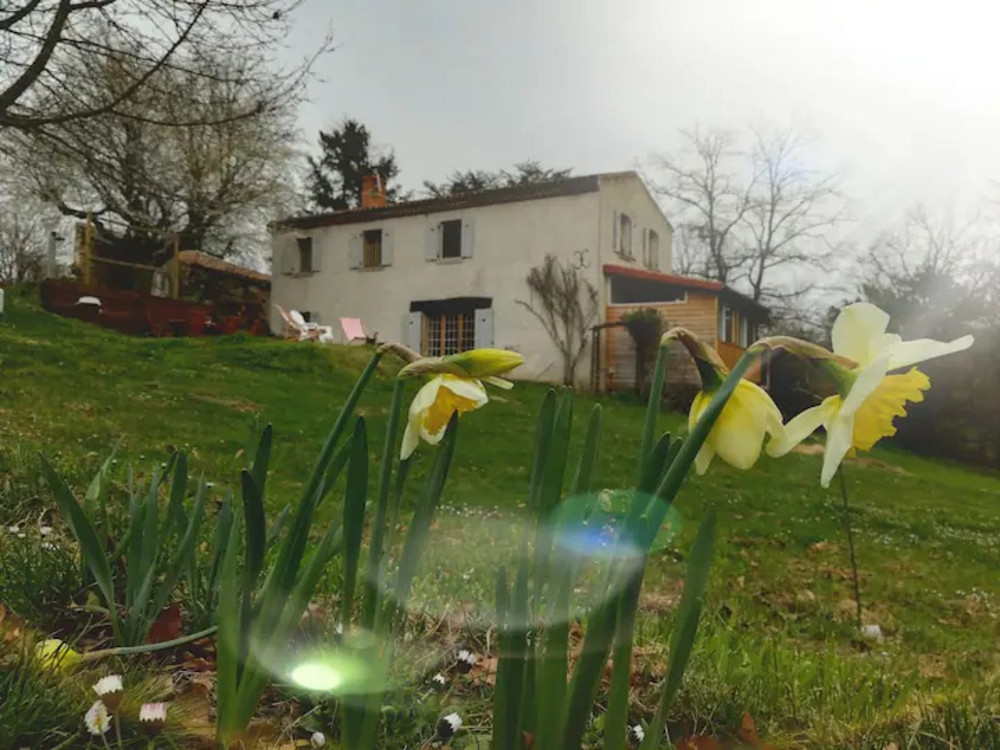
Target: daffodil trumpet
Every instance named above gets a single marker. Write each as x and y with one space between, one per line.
655 512
455 387
748 417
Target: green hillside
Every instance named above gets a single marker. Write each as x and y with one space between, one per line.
778 640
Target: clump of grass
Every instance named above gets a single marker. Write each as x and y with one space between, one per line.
787 687
39 577
38 708
957 723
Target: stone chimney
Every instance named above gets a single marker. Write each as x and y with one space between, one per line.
372 192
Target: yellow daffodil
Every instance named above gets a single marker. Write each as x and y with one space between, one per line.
456 386
868 398
56 655
745 421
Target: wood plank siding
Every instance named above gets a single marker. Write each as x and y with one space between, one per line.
699 314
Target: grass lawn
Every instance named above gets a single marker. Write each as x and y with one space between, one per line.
777 639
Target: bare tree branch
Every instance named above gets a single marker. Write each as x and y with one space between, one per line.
703 183
46 42
566 306
791 213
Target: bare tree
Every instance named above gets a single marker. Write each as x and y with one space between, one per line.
45 43
566 305
22 252
216 181
750 217
712 198
791 212
932 273
26 225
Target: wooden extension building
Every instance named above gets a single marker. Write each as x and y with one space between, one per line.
721 317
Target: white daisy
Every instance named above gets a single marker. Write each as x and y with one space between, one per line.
97 719
636 734
152 718
110 690
466 660
448 725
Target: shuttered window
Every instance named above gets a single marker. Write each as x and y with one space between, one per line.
372 248
448 334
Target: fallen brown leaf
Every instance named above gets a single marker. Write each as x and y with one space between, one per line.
167 626
699 743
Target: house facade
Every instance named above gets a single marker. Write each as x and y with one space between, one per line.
447 274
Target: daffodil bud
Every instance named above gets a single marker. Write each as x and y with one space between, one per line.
475 363
804 349
711 369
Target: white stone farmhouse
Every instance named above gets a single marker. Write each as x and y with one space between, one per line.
445 274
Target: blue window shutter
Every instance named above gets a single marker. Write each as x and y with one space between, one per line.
387 247
468 238
355 250
484 328
317 256
413 330
432 250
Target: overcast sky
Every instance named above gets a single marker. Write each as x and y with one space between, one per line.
902 97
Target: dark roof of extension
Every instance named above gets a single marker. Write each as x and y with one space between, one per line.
536 191
723 292
211 263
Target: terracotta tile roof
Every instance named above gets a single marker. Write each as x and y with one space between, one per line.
689 282
211 263
537 191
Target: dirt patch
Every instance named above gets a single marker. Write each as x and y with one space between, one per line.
809 449
817 449
875 463
240 405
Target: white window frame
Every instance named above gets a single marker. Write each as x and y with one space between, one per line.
721 333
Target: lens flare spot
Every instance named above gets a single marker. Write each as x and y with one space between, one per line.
317 676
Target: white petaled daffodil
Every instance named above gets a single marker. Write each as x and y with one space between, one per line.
868 397
748 417
455 386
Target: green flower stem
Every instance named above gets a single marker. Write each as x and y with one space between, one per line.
850 547
599 637
148 647
616 720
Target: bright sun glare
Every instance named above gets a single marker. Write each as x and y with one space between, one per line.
316 676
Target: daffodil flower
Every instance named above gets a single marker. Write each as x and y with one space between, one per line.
748 417
456 386
868 398
56 655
